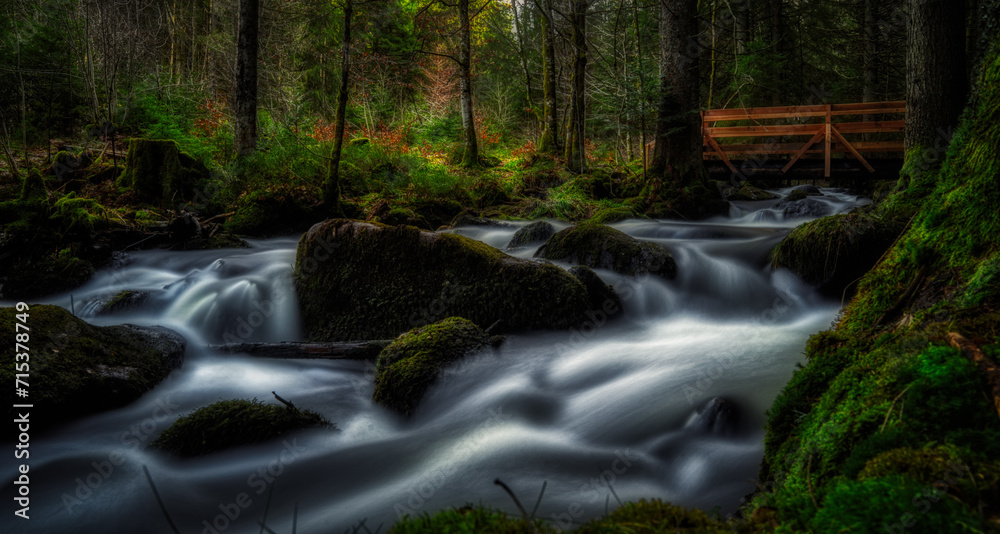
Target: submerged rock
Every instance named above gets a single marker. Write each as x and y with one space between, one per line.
408 366
123 301
603 247
78 369
719 416
535 232
232 423
362 281
602 296
805 207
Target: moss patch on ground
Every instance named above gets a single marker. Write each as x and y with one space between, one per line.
77 369
411 363
232 423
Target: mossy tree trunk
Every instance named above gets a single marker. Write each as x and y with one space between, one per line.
677 152
245 101
470 156
936 78
331 186
549 142
576 130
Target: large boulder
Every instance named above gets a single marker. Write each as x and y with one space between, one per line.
803 207
603 247
358 280
77 368
834 252
749 192
411 363
233 423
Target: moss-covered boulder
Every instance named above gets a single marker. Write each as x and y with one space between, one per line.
157 169
749 192
77 368
359 280
411 363
603 247
123 301
232 423
536 232
613 215
833 252
602 296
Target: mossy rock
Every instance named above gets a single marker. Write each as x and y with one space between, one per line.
233 423
602 295
397 216
488 191
467 219
411 363
603 247
536 232
795 195
33 188
123 301
833 252
367 281
749 192
158 170
275 210
436 212
802 207
78 369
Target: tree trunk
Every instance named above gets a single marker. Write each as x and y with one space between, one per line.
576 130
678 129
549 142
331 187
936 79
470 156
245 105
744 25
869 77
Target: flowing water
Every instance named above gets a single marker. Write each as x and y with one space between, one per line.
617 410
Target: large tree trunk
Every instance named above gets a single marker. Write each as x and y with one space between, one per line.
245 105
936 79
549 142
677 152
331 187
470 157
576 131
744 25
869 77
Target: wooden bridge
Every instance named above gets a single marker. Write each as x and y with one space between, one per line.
731 143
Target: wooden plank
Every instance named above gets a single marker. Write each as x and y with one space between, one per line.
719 151
829 140
855 153
792 148
763 131
803 150
870 127
790 112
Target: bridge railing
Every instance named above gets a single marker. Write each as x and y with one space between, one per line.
816 122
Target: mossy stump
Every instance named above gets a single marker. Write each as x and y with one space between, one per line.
411 363
158 170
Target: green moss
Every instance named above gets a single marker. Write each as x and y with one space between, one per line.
33 188
370 281
655 516
536 232
468 520
411 363
78 369
603 247
613 215
274 210
232 423
79 216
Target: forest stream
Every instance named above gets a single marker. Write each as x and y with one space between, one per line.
666 402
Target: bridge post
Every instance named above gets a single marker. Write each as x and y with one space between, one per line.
829 140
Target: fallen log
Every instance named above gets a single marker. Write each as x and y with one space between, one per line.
343 350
